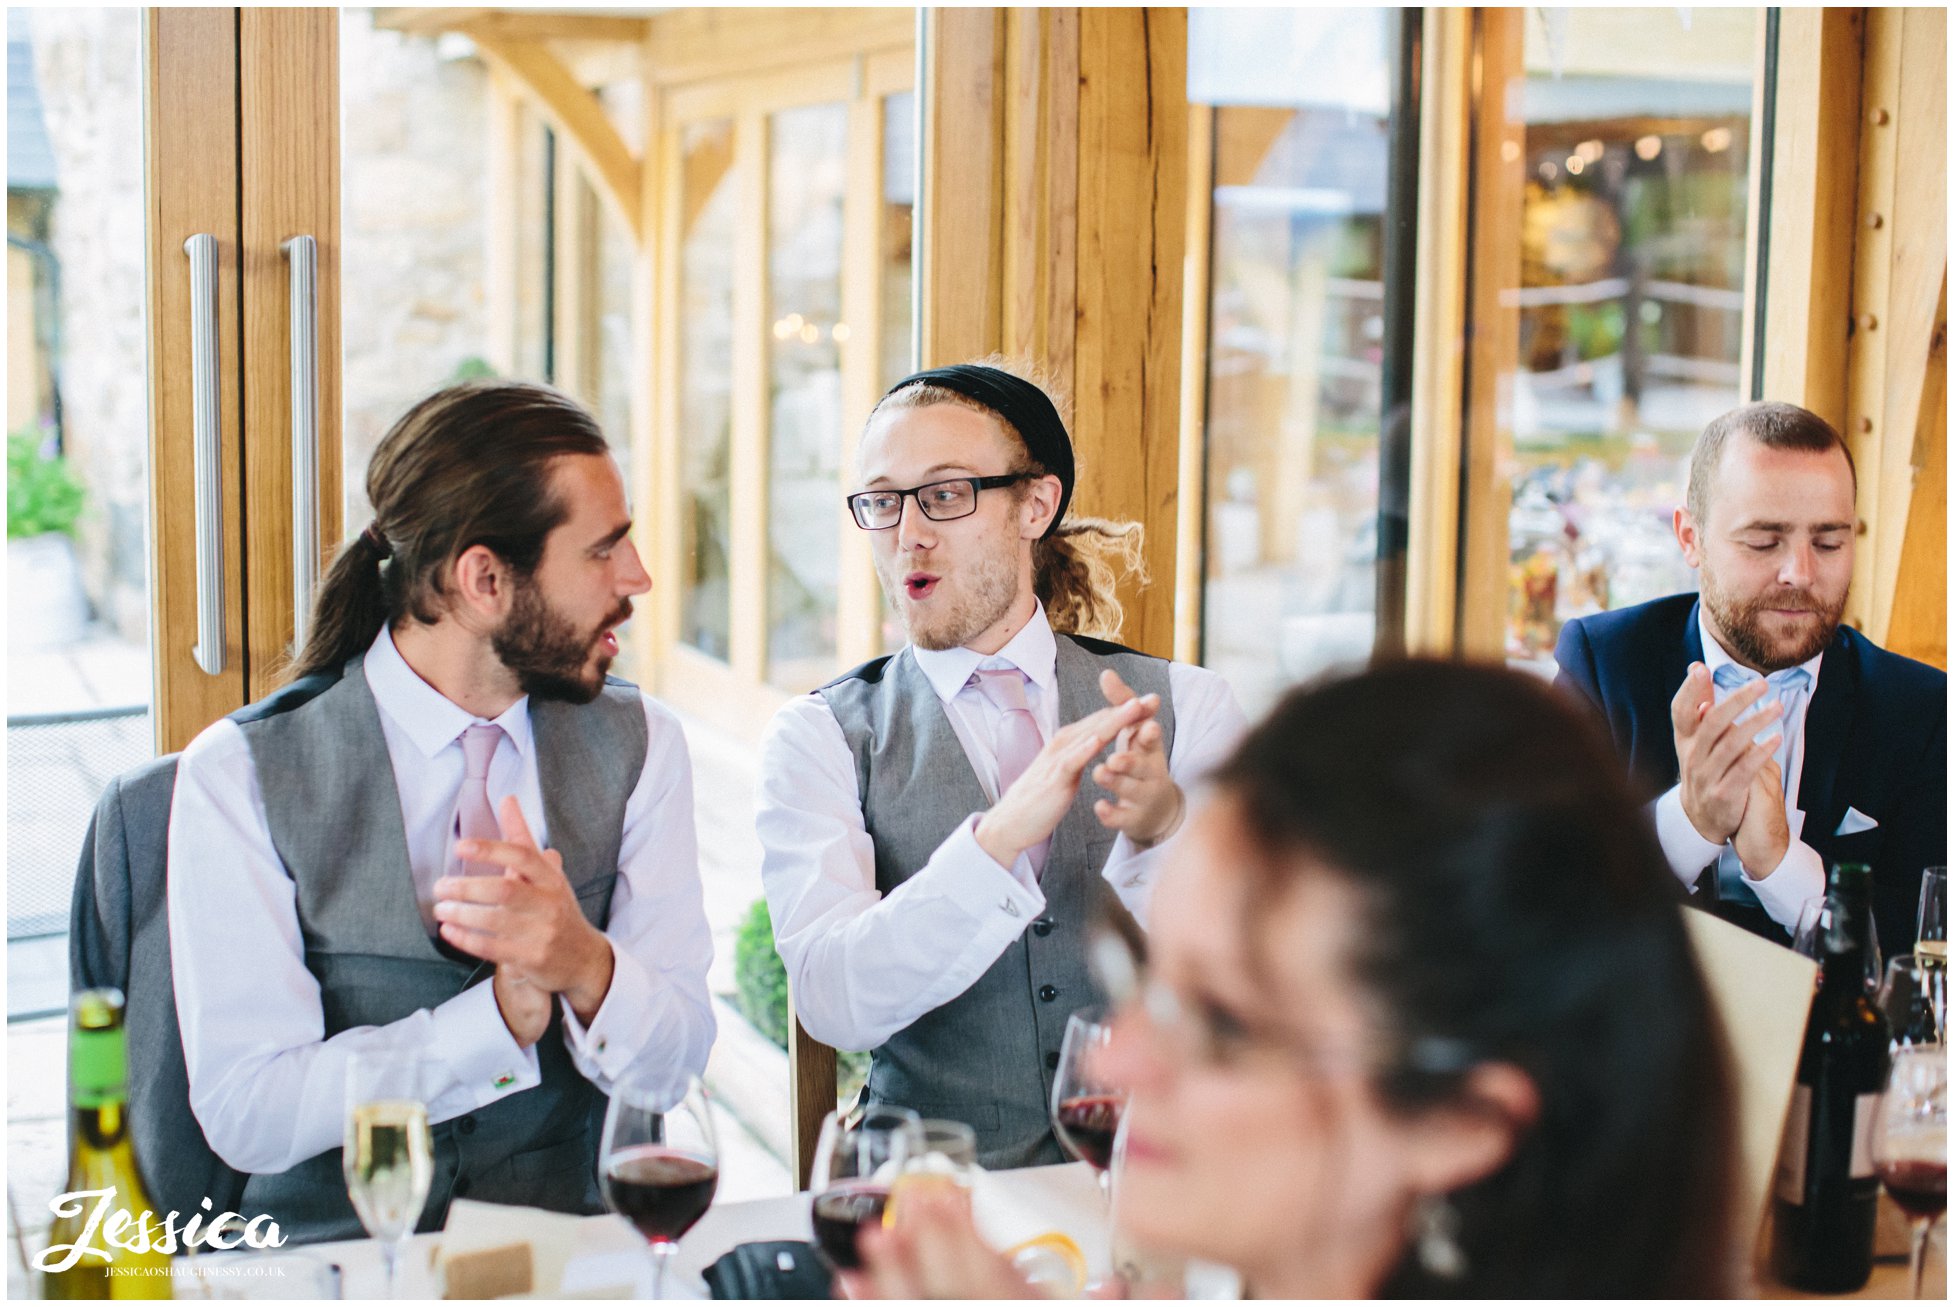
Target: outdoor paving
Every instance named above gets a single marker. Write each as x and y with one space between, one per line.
51 790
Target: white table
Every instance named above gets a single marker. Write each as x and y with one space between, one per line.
1010 1206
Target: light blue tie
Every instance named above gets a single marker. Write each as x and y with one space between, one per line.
1790 685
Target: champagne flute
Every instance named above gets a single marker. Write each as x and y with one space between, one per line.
853 1173
1930 938
388 1156
660 1160
1086 1108
1910 1142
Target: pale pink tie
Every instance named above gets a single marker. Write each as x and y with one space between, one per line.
474 814
1018 740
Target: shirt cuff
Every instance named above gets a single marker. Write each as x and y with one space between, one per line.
474 1043
980 884
1799 875
604 1048
1688 852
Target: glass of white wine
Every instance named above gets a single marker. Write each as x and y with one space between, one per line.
389 1154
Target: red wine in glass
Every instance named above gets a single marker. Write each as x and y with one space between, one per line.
840 1214
660 1190
1086 1126
1919 1187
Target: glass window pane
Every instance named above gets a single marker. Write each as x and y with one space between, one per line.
1294 351
1637 141
79 672
708 189
807 178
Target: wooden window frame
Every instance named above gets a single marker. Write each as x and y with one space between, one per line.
735 694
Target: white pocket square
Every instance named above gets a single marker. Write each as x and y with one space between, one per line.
1855 821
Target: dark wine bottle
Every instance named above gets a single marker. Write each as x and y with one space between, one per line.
1823 1204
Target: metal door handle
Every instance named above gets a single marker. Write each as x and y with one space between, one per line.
303 254
208 461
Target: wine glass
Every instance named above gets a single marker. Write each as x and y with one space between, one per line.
1914 999
1930 938
660 1159
388 1156
1910 1142
1085 1108
1808 938
944 1155
853 1173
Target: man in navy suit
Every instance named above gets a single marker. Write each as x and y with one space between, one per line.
1778 741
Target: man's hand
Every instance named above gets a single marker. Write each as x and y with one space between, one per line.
1717 755
1037 801
527 918
1764 835
525 1008
1146 804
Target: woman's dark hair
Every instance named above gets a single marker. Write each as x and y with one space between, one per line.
466 466
1516 903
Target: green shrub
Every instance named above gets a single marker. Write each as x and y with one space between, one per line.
760 993
43 494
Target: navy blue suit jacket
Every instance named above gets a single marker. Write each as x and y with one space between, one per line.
1875 740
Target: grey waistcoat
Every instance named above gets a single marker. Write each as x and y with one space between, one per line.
986 1057
334 811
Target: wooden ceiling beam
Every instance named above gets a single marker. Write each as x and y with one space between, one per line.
575 113
515 25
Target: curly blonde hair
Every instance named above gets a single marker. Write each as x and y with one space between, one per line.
1077 569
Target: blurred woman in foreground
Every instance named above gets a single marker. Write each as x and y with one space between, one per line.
1421 1020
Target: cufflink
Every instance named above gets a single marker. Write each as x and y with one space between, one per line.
1010 908
603 1044
504 1080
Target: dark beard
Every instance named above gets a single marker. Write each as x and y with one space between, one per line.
1739 622
546 652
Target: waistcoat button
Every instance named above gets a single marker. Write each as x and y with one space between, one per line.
466 1125
1042 927
461 1187
1048 992
1051 1060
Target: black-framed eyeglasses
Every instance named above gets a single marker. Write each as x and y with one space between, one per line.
941 501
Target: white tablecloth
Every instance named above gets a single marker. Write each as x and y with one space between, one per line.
598 1250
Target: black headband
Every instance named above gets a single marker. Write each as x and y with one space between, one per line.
1027 408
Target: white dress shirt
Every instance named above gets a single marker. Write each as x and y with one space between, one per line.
1782 890
864 966
265 1083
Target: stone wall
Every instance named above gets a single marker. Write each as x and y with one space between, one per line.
88 62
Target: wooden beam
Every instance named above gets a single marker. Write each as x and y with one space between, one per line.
1918 624
1898 267
546 26
1190 543
1814 161
1493 343
748 565
578 117
961 259
858 615
1039 252
1132 201
190 167
693 44
1438 344
288 61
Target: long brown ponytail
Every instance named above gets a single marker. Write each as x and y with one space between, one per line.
1077 570
468 465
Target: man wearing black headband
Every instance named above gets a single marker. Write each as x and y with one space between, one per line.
932 858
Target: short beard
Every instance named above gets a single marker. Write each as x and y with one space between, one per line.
546 653
1739 624
992 585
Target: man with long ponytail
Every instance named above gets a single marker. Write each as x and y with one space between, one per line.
932 854
451 829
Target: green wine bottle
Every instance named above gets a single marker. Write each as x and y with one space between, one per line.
106 1205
